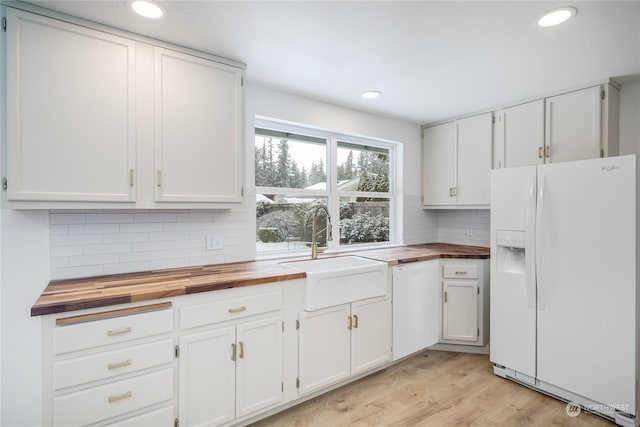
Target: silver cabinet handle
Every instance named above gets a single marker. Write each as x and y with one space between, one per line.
461 272
114 332
355 321
238 309
233 352
241 356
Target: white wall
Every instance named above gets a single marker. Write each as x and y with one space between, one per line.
24 239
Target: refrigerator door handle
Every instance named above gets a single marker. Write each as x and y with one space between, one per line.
530 244
538 244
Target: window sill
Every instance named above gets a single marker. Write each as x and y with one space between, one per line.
342 250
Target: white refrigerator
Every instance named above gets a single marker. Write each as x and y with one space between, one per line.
564 282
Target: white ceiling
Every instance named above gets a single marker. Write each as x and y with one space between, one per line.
431 60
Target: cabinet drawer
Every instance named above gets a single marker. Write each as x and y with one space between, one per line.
229 309
110 331
163 417
110 364
452 271
111 400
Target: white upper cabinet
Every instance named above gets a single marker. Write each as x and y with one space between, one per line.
438 154
519 135
457 162
96 120
572 125
578 125
473 160
70 112
198 126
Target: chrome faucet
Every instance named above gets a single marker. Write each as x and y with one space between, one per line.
315 232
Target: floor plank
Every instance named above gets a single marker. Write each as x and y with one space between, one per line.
433 388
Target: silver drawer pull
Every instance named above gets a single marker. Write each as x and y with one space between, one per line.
126 395
119 364
119 331
461 272
238 309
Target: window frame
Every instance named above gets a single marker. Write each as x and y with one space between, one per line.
331 192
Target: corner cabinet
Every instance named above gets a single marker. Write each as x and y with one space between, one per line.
198 127
578 125
70 119
456 163
117 123
465 302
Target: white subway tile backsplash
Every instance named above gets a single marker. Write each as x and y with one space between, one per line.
108 248
66 218
81 260
77 239
109 218
125 237
464 227
168 235
59 251
152 246
181 226
129 267
140 227
58 229
93 228
95 242
141 256
155 217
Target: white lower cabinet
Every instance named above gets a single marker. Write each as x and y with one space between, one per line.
109 367
344 340
465 301
460 310
230 372
215 358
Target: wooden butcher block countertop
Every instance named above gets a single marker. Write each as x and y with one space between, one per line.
62 296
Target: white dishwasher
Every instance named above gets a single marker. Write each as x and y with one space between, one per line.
416 298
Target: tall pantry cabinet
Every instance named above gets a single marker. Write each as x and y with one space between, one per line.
112 120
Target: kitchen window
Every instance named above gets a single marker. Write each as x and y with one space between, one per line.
297 168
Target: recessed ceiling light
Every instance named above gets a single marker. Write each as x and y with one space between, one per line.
147 9
371 94
556 16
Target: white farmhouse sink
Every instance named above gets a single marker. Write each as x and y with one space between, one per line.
340 280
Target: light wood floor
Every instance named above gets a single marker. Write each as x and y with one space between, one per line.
433 388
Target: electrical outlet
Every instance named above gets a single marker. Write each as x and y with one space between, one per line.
469 231
213 241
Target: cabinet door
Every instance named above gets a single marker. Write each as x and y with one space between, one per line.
522 130
416 296
206 391
259 365
460 310
198 129
324 342
70 112
438 164
572 125
371 334
473 153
